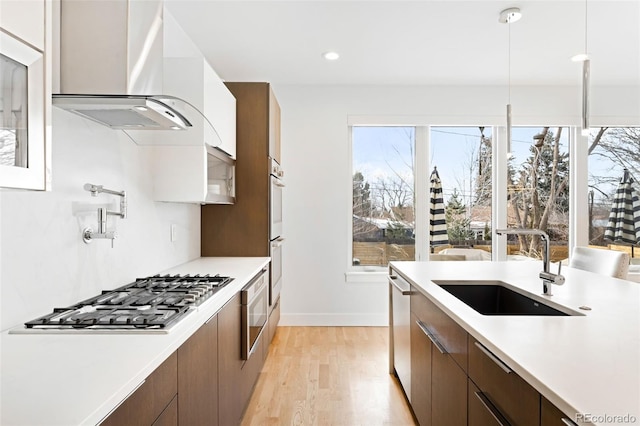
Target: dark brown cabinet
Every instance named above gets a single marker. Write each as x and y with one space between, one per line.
198 376
231 395
148 404
438 365
500 389
242 229
169 416
420 373
236 377
550 415
456 380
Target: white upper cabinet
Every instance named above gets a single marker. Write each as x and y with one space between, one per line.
25 20
194 80
25 94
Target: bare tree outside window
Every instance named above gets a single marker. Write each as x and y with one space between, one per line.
611 151
538 190
383 195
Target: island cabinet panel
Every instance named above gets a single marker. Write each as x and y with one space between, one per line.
169 416
447 332
198 376
481 412
149 401
550 415
449 395
420 373
501 388
438 365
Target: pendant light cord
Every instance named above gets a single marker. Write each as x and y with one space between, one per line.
585 26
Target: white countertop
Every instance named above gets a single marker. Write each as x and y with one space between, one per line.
66 379
582 364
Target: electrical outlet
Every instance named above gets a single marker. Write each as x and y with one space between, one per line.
174 232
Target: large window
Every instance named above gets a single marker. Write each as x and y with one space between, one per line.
612 150
383 195
389 179
462 158
538 190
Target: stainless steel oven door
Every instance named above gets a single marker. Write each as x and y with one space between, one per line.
275 207
276 270
255 311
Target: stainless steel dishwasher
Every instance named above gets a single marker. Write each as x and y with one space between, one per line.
400 330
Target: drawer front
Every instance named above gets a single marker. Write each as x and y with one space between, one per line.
502 388
482 412
169 416
445 330
552 416
448 391
147 403
420 373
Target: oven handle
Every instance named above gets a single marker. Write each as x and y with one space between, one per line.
276 181
254 288
277 242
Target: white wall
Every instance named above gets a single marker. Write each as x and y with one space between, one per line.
43 261
316 158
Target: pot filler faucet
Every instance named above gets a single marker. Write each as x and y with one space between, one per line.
546 276
87 234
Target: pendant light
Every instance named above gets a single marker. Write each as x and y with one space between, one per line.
586 71
509 16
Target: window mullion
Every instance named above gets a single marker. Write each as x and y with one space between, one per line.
421 188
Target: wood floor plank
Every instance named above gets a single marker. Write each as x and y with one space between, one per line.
328 376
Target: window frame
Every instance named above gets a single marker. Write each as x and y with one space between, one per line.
578 146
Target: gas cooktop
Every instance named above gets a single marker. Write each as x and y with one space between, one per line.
152 304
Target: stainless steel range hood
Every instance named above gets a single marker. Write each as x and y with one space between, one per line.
111 68
125 112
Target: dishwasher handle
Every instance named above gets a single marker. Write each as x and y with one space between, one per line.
397 282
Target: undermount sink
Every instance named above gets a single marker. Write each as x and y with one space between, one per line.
497 298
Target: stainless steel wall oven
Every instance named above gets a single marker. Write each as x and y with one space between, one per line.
275 230
255 311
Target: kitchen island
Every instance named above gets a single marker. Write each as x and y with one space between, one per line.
68 378
587 364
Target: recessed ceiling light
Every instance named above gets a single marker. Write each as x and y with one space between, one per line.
509 16
141 108
330 56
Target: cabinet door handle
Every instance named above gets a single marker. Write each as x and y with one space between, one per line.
488 405
568 422
493 358
431 337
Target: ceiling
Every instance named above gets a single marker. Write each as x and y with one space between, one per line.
420 42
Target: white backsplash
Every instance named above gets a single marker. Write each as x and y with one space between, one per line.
43 261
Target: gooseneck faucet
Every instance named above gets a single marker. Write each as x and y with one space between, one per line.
546 275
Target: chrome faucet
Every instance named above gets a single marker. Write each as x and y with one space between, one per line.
87 234
546 275
97 189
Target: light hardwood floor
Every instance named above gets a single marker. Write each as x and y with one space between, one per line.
328 376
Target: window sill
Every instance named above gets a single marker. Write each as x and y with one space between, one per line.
366 276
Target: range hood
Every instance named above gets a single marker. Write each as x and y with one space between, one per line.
125 112
112 63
